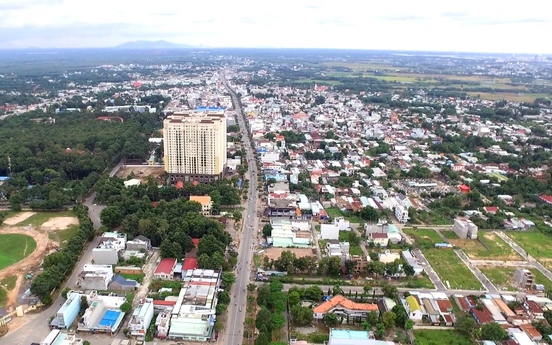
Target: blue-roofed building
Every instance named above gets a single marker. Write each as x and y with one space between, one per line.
350 337
68 312
121 283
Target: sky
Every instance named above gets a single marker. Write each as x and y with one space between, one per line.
422 25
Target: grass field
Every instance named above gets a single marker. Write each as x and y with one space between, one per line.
8 283
138 277
42 217
421 234
541 279
535 243
440 337
501 277
515 97
14 248
63 236
449 267
335 212
499 250
449 235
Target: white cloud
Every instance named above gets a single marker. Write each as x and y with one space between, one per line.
472 25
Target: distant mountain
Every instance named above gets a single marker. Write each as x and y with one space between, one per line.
152 45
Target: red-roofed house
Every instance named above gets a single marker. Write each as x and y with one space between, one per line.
165 269
195 241
547 199
189 264
464 189
482 316
491 209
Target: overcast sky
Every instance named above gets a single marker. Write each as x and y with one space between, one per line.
436 25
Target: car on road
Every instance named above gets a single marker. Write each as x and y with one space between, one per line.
240 309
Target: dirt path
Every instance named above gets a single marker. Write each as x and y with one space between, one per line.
20 268
13 293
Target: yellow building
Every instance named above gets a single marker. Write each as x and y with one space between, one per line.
205 201
195 146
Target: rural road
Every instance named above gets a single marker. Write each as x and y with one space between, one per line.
36 327
233 332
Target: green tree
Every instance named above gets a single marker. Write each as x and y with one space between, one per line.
228 279
466 324
125 307
388 319
293 298
170 249
262 339
267 230
237 216
331 320
390 291
264 318
111 216
278 321
493 331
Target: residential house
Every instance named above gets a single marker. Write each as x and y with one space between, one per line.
413 309
379 238
95 277
68 312
290 233
165 269
205 202
120 283
139 243
103 315
342 306
141 318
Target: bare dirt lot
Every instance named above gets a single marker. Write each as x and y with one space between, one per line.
60 223
140 172
18 218
274 253
19 269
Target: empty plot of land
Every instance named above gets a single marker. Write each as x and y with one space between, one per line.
449 267
14 248
140 172
535 243
60 223
39 218
501 277
449 235
423 234
18 218
495 249
275 253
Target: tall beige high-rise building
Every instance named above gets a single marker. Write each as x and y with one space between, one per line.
195 146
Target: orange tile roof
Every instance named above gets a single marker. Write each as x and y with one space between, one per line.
339 300
204 200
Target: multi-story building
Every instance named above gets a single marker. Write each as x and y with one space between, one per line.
141 318
193 315
55 337
195 145
524 278
68 312
103 315
95 277
465 228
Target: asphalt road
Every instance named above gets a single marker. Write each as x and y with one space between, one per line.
36 327
233 333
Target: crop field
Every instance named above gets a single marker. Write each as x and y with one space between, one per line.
510 96
14 248
449 267
501 277
498 249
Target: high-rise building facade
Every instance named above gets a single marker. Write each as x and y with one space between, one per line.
195 146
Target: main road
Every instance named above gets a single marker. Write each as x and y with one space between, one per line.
233 334
36 326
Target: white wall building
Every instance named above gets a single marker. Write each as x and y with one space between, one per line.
95 277
465 228
141 318
331 231
401 213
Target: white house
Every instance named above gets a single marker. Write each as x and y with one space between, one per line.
412 308
331 231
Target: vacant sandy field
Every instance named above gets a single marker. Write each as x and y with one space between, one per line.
274 253
18 218
60 223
